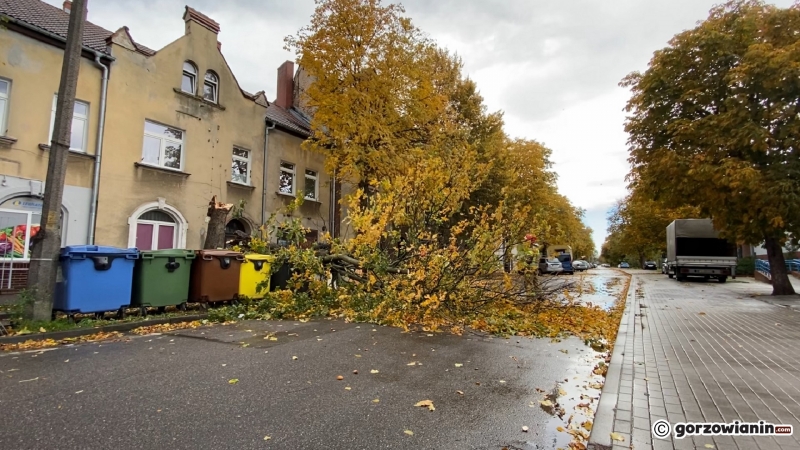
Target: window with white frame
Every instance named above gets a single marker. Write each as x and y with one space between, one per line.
211 87
240 166
163 146
5 91
156 230
189 80
287 178
311 185
80 125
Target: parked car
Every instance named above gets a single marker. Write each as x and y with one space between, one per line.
605 265
650 265
552 266
624 265
580 265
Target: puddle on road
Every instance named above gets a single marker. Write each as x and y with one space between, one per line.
576 398
599 290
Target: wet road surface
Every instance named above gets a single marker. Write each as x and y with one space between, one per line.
273 384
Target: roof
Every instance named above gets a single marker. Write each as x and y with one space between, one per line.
55 20
289 119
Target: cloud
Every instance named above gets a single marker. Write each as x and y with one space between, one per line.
552 66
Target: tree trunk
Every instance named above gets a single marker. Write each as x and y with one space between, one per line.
218 212
777 268
44 264
641 260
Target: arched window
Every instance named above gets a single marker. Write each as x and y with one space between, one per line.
211 87
189 81
156 230
234 230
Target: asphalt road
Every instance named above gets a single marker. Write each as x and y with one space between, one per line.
177 391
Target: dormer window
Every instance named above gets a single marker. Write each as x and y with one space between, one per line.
189 81
211 87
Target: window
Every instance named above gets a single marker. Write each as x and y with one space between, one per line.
240 166
211 87
163 146
287 179
155 230
189 81
5 90
80 123
311 185
235 232
20 220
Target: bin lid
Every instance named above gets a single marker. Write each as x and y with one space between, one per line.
169 253
97 250
258 257
219 253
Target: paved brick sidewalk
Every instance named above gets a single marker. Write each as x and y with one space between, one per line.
701 352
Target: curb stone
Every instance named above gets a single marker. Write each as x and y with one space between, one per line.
77 332
600 437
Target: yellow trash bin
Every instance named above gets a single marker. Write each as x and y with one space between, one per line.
255 269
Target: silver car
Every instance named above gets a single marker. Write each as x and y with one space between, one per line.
580 265
552 266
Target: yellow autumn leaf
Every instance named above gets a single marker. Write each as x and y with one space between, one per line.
409 432
426 403
233 381
617 437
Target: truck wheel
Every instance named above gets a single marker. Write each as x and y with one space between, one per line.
671 276
723 279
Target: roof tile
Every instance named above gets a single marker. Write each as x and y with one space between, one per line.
290 119
54 20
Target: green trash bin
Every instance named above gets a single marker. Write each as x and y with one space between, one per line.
161 279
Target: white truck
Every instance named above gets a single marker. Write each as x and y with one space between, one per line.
694 249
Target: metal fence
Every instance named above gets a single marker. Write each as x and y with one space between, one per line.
762 267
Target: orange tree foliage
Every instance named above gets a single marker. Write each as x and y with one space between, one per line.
440 192
714 123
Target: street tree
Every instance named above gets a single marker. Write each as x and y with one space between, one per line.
641 223
713 122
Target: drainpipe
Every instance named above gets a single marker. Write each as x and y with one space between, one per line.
98 150
97 56
332 206
264 174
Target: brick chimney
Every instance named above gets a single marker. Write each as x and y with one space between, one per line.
67 6
285 95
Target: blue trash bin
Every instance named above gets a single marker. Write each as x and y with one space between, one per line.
95 279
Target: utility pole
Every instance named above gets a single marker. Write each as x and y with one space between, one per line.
44 259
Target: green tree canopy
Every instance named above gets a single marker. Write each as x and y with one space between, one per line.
714 122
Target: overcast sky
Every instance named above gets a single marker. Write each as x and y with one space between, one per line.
552 66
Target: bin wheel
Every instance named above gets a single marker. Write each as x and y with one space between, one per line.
99 315
71 318
182 306
235 301
162 309
53 315
121 314
143 311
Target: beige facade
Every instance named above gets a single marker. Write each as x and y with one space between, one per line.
150 89
169 144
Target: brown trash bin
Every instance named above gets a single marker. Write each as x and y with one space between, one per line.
215 276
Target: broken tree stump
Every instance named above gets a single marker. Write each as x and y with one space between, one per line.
218 213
